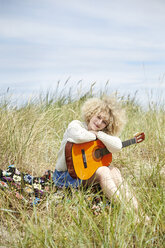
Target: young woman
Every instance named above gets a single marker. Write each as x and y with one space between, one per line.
104 120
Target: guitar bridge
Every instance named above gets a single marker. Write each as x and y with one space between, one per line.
84 158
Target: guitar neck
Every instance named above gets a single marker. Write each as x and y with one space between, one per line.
104 151
129 142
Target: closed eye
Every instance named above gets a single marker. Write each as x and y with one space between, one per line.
105 122
100 118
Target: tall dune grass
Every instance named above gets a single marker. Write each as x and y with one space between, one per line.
30 137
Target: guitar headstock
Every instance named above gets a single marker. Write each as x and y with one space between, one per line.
139 137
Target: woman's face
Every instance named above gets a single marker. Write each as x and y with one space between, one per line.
97 123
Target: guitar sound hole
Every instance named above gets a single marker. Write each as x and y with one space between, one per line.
97 154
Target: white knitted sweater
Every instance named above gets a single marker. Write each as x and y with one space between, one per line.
77 133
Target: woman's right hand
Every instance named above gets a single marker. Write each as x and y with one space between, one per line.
94 132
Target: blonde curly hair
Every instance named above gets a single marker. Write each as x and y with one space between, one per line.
110 108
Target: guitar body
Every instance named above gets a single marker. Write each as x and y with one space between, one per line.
84 159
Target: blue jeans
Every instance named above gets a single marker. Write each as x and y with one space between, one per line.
63 179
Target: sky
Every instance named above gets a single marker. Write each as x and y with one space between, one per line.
44 43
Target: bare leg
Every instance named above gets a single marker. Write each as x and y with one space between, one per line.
112 184
123 187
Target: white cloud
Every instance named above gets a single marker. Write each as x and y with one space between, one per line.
42 42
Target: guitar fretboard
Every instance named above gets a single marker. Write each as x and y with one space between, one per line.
103 151
129 142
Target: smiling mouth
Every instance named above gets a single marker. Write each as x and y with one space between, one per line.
96 126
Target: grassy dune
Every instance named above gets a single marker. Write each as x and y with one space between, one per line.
30 137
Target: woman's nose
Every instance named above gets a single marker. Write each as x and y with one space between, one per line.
100 121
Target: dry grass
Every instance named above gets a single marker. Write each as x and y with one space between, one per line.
30 138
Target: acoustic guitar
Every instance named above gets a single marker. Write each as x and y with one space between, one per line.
84 159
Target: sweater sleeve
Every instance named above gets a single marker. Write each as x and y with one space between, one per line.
77 133
112 143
